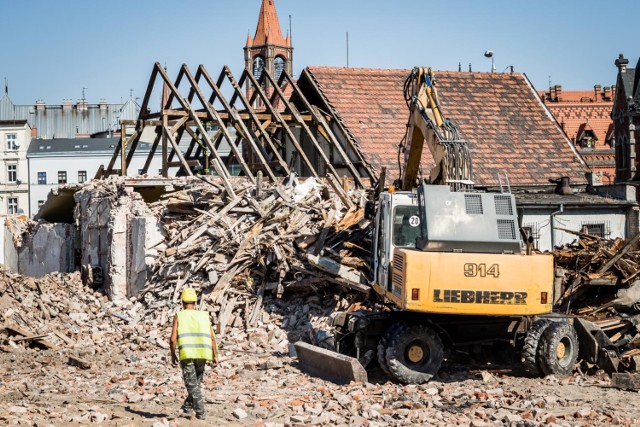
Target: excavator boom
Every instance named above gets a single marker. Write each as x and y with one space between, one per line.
428 124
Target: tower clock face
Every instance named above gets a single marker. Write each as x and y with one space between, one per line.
258 66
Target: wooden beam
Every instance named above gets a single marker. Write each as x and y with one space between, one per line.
238 93
283 123
242 128
173 142
630 245
350 140
152 152
333 177
187 106
214 116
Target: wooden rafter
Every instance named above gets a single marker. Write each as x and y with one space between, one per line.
260 133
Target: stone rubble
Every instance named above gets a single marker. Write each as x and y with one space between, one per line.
69 355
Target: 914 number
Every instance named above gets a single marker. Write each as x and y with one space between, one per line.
475 270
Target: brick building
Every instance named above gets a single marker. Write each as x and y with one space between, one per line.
626 119
585 117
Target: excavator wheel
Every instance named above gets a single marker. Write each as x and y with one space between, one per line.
414 354
530 359
382 346
558 350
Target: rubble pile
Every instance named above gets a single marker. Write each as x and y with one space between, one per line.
601 286
237 243
58 312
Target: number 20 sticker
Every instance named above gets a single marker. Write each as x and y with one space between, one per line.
414 221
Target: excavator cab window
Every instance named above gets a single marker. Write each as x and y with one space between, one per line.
406 226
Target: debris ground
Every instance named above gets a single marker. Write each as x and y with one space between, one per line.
128 380
70 356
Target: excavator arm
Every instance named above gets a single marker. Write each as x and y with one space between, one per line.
428 124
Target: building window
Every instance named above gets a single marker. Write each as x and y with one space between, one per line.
62 177
42 177
12 142
278 65
531 233
598 229
12 205
12 173
82 176
40 203
258 66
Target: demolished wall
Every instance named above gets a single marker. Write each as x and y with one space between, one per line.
48 249
36 249
118 232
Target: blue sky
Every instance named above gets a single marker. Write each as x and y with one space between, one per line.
56 48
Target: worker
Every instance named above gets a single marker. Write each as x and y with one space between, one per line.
196 342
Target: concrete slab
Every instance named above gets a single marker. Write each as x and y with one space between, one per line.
329 365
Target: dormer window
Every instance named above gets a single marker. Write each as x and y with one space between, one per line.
588 142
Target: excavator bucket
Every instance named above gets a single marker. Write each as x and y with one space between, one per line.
329 365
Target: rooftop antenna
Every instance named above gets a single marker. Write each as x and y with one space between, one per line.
83 89
347 49
130 93
549 80
290 33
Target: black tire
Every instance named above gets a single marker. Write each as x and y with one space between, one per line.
558 350
530 359
382 346
419 340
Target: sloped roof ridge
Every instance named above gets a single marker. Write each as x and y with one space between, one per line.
334 110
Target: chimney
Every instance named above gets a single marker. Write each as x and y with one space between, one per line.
597 89
606 94
82 105
621 63
103 104
66 104
562 186
34 132
40 105
558 92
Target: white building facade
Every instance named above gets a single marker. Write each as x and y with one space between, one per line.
72 161
15 136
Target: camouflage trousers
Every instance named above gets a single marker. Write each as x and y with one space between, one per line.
192 373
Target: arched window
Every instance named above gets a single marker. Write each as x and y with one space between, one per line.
278 64
258 66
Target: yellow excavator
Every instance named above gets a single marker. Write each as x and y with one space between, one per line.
450 264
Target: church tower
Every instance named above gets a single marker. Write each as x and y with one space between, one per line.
268 49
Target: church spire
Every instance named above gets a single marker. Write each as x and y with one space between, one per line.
268 28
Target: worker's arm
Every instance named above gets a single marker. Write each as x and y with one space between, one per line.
214 346
173 341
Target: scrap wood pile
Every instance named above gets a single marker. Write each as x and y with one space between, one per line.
236 242
601 285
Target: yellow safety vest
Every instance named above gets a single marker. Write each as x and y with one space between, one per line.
194 335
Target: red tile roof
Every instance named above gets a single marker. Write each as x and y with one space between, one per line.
575 115
507 127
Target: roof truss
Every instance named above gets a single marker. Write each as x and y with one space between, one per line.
283 134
